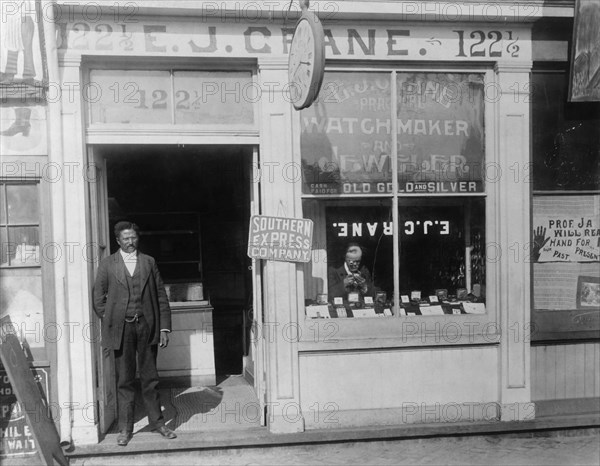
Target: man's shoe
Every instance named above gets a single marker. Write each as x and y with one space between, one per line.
124 438
166 432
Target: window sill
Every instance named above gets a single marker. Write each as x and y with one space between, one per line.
395 332
382 344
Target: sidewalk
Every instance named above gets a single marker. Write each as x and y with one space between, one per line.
510 449
150 445
206 424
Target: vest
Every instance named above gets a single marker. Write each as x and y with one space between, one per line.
134 306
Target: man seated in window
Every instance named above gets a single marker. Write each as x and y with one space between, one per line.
351 276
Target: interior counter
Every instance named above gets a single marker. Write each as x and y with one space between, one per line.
190 352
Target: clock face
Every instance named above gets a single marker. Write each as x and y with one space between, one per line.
306 62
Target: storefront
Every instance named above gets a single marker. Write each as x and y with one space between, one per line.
565 219
419 149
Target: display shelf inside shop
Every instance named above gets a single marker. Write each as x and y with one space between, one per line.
329 311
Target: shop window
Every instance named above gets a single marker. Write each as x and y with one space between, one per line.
19 225
20 260
442 244
565 137
346 136
566 202
440 133
421 238
366 226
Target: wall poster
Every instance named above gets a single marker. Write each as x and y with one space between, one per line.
566 239
584 84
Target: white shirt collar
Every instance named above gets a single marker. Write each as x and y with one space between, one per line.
128 257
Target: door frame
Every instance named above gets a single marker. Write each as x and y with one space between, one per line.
100 237
104 364
256 347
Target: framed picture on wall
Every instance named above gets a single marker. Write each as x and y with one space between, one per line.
584 83
588 292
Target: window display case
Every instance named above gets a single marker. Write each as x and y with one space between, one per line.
440 259
393 179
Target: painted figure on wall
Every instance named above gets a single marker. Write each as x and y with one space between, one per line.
20 47
23 78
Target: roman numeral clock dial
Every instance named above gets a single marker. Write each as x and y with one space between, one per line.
306 64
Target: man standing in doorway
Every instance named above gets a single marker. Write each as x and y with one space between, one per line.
130 298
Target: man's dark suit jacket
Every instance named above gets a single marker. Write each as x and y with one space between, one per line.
111 295
335 281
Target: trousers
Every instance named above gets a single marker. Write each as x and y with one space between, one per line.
135 344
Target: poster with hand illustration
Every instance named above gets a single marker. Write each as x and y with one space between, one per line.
566 239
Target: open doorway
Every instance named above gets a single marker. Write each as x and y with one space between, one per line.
192 204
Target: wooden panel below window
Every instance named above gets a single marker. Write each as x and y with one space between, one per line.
565 371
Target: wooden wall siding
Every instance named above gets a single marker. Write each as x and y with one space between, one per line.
391 379
565 371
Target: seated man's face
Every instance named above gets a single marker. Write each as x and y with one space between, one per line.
353 257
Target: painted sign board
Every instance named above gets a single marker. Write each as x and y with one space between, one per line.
41 431
16 436
102 35
280 238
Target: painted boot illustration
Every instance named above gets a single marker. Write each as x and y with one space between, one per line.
21 125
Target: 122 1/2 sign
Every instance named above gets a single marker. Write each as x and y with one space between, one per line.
487 45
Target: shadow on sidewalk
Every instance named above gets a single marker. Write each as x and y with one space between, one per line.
230 404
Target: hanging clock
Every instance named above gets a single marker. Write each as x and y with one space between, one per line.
306 64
